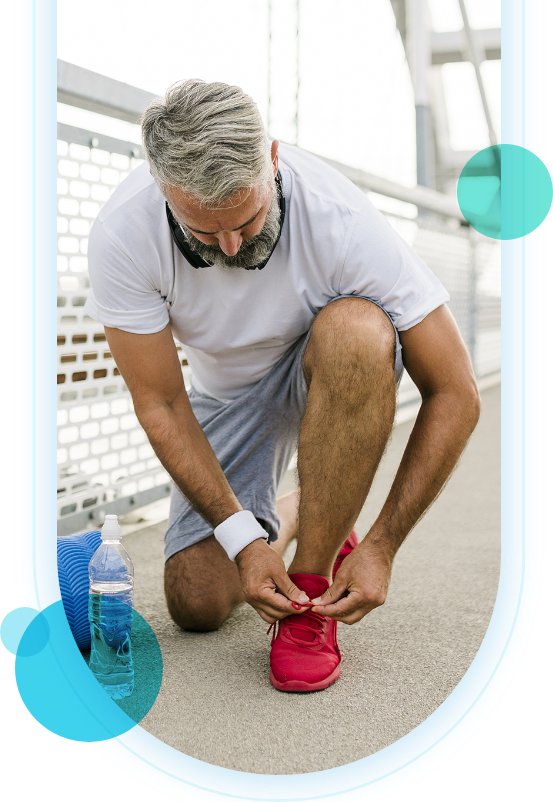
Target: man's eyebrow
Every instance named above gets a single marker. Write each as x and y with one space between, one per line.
210 233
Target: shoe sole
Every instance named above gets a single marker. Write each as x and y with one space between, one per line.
299 686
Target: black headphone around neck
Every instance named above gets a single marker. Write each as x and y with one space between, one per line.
194 259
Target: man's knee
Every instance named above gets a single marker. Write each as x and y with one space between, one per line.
197 600
194 615
190 609
350 334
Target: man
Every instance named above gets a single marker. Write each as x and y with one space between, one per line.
298 307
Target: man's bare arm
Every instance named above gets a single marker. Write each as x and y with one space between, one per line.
437 360
150 365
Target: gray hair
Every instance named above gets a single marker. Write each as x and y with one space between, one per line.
207 139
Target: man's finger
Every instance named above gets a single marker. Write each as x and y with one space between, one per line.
331 595
291 591
271 614
343 607
275 601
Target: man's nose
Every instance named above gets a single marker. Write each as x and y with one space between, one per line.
230 242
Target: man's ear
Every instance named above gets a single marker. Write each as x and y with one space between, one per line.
274 155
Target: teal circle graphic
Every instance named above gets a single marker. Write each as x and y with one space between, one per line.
61 693
148 669
505 191
56 685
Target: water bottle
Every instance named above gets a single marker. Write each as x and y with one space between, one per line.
110 613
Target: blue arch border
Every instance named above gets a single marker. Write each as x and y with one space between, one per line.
488 677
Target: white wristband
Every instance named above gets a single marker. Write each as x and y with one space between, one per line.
238 531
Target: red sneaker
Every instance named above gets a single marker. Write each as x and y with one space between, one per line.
346 549
305 655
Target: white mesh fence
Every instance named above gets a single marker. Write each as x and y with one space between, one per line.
105 463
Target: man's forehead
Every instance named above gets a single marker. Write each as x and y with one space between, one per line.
233 214
179 197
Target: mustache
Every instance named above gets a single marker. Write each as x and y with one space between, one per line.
252 252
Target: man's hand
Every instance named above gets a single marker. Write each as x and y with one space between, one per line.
361 584
265 583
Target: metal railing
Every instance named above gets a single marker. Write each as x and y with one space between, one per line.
105 463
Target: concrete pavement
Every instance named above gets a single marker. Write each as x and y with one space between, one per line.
399 664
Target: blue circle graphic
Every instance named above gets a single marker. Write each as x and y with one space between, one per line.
58 689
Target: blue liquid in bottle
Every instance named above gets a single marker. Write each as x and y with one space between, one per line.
110 613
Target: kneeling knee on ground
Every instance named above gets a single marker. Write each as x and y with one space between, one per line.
197 615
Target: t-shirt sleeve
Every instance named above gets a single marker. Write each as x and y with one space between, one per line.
123 294
381 266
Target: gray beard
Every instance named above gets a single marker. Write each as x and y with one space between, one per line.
252 252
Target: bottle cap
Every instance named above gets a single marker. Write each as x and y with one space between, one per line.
111 529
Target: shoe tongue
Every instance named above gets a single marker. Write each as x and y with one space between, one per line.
312 584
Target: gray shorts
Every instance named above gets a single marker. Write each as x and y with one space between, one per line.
254 438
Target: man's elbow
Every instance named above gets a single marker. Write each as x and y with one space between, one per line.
155 411
471 403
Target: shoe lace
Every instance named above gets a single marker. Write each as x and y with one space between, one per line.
290 624
274 634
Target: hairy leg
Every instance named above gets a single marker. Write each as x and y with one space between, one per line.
348 365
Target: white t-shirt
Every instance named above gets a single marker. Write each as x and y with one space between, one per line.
236 324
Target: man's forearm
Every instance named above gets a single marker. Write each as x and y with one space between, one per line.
441 432
185 453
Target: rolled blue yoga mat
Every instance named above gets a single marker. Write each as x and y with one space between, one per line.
74 554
